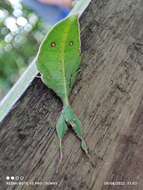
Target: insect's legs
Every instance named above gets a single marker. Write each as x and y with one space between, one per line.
72 75
61 152
61 157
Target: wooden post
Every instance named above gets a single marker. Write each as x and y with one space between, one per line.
108 97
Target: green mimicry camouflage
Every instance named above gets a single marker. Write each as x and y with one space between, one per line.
58 63
59 57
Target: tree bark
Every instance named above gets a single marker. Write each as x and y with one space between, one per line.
108 97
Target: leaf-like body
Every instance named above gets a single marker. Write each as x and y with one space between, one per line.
61 127
58 64
59 57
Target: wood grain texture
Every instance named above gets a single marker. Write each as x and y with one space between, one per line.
108 97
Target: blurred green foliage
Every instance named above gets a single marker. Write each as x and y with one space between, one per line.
20 35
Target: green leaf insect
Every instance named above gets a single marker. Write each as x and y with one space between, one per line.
58 63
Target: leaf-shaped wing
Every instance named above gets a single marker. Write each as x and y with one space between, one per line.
59 57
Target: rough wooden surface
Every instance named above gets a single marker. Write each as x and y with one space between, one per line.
108 97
